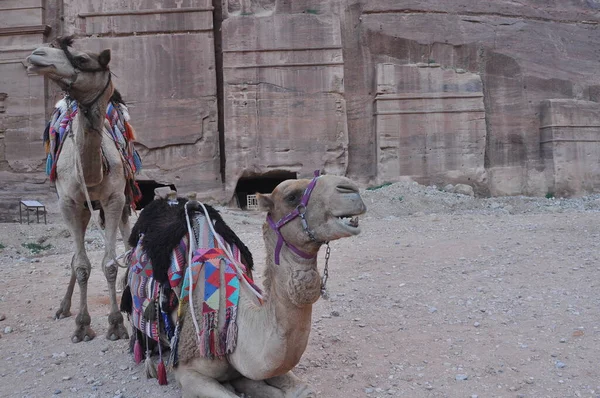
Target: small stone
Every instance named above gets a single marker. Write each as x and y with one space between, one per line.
335 313
461 377
559 364
432 310
65 378
56 392
563 340
369 390
477 324
8 330
2 317
464 189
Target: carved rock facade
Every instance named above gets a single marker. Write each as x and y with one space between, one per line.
443 92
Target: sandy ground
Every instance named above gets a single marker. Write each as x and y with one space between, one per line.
441 295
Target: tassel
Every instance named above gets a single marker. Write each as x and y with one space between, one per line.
162 373
48 164
53 173
137 352
150 312
149 367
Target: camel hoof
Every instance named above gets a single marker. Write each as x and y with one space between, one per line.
61 314
84 333
116 332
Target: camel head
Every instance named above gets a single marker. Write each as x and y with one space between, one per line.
84 75
331 211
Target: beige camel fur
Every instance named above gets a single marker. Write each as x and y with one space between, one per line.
273 336
90 85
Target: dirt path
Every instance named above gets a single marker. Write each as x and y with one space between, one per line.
454 304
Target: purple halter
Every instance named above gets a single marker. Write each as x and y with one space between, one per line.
299 211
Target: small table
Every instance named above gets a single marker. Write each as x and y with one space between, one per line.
30 205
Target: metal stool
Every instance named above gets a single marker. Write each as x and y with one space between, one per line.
31 205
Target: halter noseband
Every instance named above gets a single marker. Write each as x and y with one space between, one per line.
299 211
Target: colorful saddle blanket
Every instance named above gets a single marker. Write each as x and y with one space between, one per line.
183 277
116 124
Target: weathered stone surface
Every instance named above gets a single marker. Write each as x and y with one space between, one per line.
168 82
430 124
22 111
303 85
570 140
515 48
284 104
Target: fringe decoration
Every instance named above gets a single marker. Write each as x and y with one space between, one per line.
232 330
207 342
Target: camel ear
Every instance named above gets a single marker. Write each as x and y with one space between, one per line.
265 202
104 58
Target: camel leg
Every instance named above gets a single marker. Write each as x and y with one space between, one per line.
256 388
77 219
124 226
113 209
64 310
196 385
292 386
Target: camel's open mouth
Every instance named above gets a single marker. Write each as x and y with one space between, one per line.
350 221
348 224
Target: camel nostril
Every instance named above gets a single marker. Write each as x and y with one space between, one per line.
39 52
346 189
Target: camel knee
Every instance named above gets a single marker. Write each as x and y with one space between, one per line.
83 274
110 272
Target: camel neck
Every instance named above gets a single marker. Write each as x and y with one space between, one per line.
88 129
295 283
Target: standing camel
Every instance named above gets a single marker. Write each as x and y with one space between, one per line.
272 334
89 161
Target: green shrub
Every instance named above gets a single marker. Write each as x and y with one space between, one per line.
35 248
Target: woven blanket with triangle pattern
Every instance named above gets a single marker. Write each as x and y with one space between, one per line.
148 315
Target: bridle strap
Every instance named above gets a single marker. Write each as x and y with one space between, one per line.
64 46
88 105
299 211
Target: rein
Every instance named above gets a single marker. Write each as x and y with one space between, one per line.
300 211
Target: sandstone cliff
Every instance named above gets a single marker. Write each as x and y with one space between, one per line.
502 95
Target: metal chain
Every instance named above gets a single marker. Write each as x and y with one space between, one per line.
324 293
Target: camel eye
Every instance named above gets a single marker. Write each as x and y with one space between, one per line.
292 198
81 59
